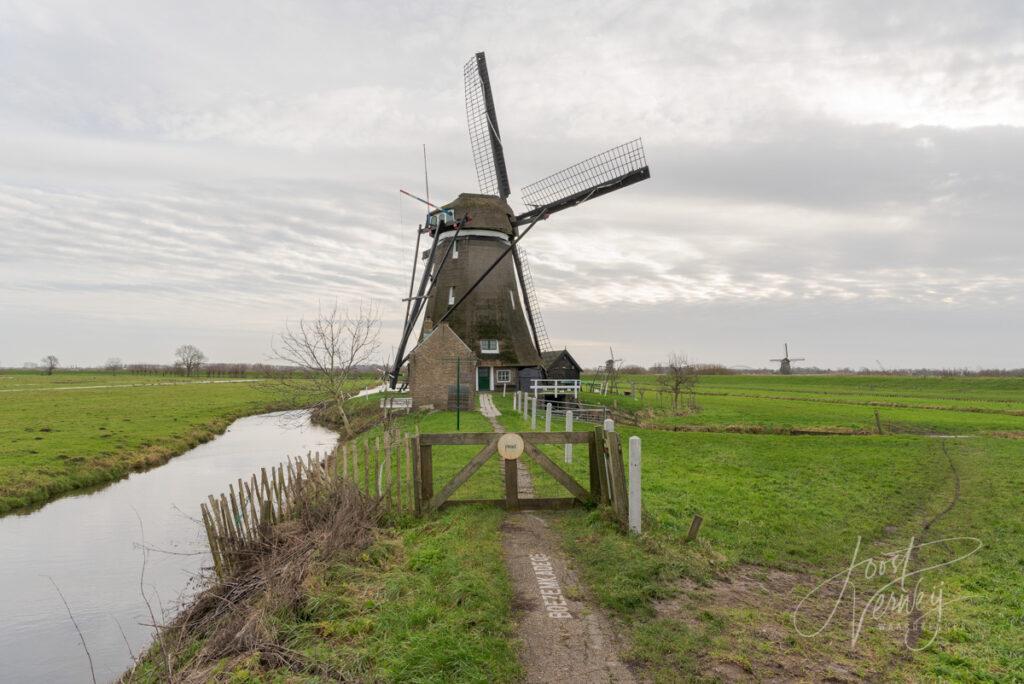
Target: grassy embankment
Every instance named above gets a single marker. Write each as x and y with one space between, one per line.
70 430
795 506
429 601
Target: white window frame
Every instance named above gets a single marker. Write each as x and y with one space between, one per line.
497 346
503 376
451 295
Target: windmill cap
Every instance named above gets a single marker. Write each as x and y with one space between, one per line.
487 212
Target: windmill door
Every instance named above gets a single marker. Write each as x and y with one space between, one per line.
483 379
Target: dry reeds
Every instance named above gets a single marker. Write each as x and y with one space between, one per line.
268 573
240 520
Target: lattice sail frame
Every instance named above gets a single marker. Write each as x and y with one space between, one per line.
591 173
483 124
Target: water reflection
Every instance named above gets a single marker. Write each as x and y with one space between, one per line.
89 545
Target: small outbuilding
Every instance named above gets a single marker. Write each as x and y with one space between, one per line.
559 365
433 365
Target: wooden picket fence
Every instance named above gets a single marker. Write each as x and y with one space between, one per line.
241 519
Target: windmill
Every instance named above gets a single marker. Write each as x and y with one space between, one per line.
785 361
475 277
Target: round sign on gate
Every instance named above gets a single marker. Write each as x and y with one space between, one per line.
510 446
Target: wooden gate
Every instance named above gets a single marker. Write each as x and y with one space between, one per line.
607 474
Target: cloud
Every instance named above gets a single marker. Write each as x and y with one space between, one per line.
213 170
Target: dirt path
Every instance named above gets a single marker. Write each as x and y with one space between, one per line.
565 639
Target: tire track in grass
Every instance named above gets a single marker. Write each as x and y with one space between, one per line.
915 618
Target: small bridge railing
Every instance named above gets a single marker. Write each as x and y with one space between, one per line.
556 387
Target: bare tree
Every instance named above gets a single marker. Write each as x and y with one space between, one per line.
189 358
680 376
50 364
114 364
330 350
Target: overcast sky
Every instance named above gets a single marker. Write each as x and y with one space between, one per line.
847 176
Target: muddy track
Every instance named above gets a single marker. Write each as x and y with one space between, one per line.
914 619
565 638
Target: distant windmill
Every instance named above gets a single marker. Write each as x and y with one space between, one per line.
476 278
784 362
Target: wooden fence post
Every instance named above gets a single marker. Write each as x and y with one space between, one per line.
533 414
417 478
511 485
595 466
547 417
427 472
366 468
376 468
601 465
409 473
617 478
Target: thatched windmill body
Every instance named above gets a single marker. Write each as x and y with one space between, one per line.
785 367
475 277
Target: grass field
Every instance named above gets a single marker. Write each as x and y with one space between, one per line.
431 600
784 512
62 432
910 405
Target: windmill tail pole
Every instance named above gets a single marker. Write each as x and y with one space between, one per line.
400 356
412 278
418 199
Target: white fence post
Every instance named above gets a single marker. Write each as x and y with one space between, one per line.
609 426
524 404
533 415
634 484
568 428
515 401
547 417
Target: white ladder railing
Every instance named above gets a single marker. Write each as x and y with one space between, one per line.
556 386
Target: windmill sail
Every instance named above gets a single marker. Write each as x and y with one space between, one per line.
603 173
484 136
540 331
